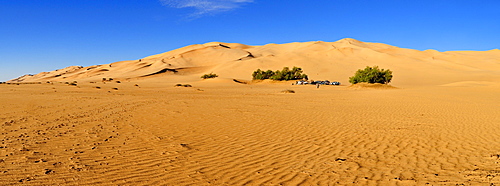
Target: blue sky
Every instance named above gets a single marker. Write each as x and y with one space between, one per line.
44 35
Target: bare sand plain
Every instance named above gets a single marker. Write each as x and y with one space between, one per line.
220 132
439 126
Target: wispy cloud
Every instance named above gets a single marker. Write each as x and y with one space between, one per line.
204 7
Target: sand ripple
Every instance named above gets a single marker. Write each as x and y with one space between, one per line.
243 136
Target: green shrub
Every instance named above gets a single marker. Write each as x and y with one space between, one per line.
259 74
285 74
208 76
371 75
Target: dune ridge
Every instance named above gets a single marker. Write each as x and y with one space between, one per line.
322 60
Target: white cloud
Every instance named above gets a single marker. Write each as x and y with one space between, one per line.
206 6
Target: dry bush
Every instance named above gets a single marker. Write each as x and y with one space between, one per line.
209 76
288 91
182 85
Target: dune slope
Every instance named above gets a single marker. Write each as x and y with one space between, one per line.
335 61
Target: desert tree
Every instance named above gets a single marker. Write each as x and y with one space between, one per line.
372 75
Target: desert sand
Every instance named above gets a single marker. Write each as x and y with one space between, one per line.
436 125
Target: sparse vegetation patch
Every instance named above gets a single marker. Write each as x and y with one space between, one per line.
183 85
107 79
209 76
74 83
288 91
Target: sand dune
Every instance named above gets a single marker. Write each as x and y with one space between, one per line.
335 61
437 124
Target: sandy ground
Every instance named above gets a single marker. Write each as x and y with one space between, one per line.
438 127
223 133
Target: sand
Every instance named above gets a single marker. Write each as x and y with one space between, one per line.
147 131
223 133
334 61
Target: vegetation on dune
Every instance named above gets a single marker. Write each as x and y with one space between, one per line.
183 85
372 75
209 76
283 75
259 74
288 91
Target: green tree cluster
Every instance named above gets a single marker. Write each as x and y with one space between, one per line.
260 74
371 75
284 74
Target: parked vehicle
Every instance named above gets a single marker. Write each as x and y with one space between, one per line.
335 83
326 82
301 82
